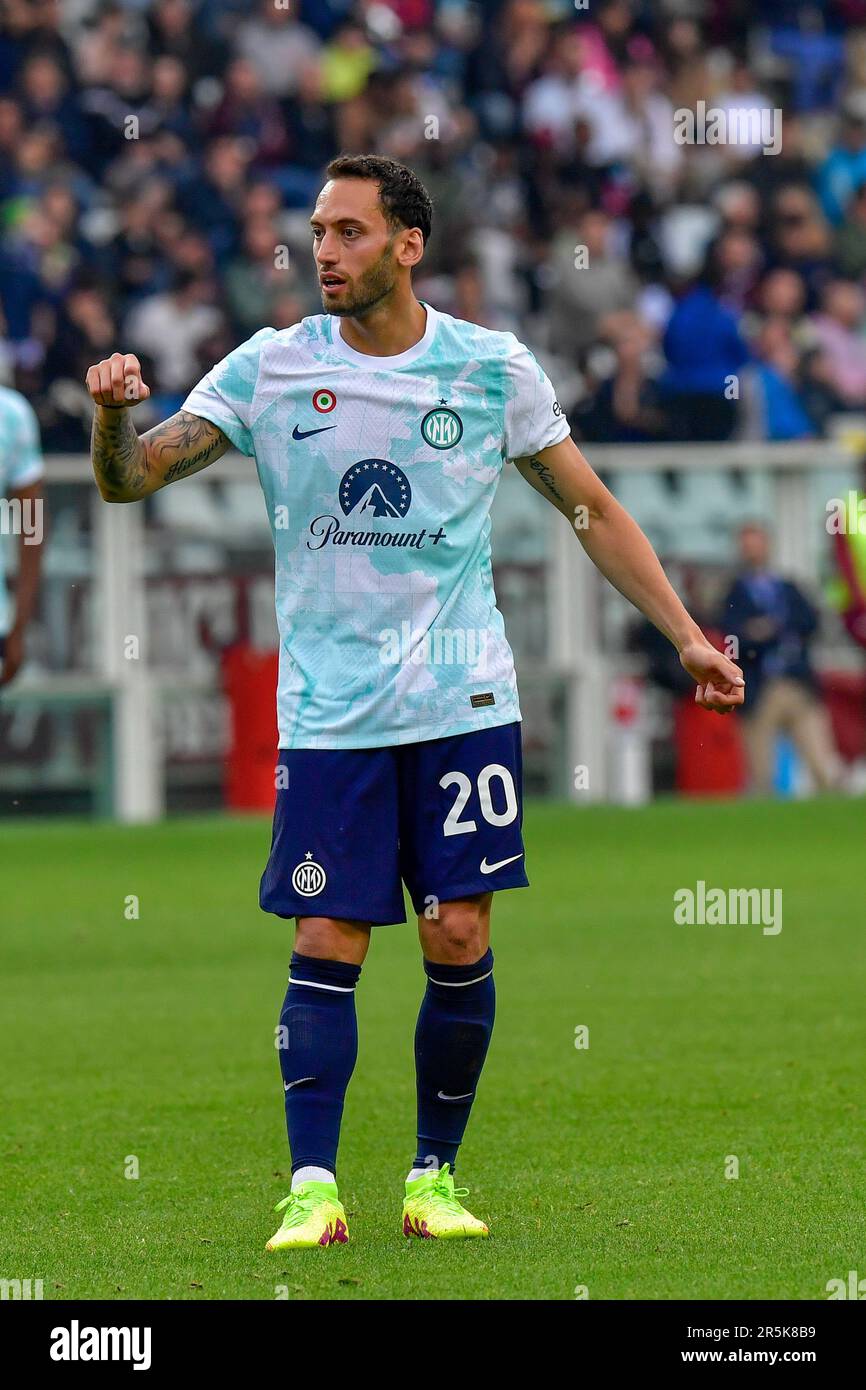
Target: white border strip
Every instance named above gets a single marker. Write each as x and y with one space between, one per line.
335 989
460 984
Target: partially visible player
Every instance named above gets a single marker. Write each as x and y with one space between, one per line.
21 502
380 429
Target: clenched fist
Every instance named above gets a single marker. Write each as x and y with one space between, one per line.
116 381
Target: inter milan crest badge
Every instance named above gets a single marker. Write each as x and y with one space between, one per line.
308 878
442 427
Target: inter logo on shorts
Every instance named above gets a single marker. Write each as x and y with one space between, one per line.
324 401
442 428
309 878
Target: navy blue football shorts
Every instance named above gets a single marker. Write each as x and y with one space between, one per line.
444 816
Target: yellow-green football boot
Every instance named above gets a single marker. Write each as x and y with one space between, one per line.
312 1215
431 1209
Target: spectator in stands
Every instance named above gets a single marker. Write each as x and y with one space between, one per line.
626 407
739 260
11 130
170 97
844 168
120 111
838 330
46 247
278 45
816 57
588 280
772 405
82 324
739 204
132 259
818 388
774 624
794 164
457 215
549 109
800 237
28 27
605 42
346 63
247 112
46 97
189 249
850 241
38 162
324 17
213 201
94 53
646 256
633 127
742 94
505 62
255 278
169 328
782 295
174 30
692 77
705 353
312 133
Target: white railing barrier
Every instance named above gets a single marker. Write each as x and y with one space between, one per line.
575 649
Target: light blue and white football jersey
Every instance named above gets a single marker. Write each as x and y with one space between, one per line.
20 465
378 474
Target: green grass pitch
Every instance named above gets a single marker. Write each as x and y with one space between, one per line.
601 1167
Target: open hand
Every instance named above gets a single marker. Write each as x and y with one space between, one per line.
721 686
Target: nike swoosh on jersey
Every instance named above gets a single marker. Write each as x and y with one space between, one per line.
491 868
305 434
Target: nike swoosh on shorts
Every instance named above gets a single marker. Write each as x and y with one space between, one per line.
491 868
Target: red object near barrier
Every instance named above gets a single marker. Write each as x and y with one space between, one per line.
250 685
711 759
844 695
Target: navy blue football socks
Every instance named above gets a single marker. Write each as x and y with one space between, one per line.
318 1047
451 1041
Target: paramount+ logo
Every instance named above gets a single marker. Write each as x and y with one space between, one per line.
372 490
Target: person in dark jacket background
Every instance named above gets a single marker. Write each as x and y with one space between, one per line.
705 353
774 623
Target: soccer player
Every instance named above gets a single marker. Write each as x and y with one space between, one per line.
21 472
379 430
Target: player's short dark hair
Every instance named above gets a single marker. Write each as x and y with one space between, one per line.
404 200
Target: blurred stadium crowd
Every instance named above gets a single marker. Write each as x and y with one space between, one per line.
154 157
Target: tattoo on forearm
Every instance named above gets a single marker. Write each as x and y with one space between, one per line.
124 461
191 440
546 477
118 458
182 466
